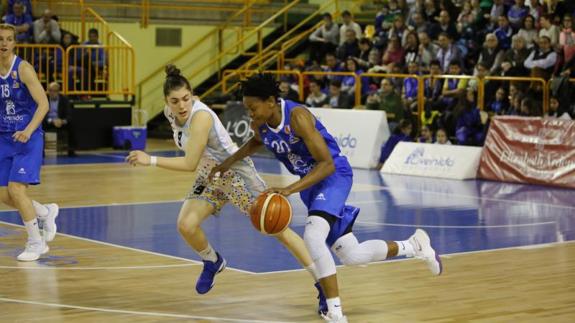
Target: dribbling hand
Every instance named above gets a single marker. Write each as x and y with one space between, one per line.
138 157
283 191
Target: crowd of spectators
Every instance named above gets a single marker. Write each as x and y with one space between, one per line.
479 38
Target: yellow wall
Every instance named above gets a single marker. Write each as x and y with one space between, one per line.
148 56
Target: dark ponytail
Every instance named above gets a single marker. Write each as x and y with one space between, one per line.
174 80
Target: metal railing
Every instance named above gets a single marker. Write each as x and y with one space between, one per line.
241 74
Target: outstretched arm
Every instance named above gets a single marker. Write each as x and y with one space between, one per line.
246 150
199 130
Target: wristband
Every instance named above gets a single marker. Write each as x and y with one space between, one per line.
153 161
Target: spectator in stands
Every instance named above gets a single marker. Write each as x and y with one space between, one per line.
427 50
316 98
331 65
47 30
287 92
425 135
557 110
441 137
556 8
431 11
504 33
9 8
491 56
337 98
513 60
453 87
500 104
535 9
411 49
350 47
444 26
467 18
394 54
399 30
410 86
94 59
22 21
402 132
447 53
419 24
498 9
58 117
549 30
348 24
480 72
433 87
542 58
468 128
515 106
348 83
567 38
325 39
530 108
362 59
529 32
517 13
388 100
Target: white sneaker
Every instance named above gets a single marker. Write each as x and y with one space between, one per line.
49 222
34 249
327 317
422 249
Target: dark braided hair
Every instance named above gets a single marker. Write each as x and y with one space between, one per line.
262 86
174 80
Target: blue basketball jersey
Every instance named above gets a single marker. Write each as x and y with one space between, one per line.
17 105
292 151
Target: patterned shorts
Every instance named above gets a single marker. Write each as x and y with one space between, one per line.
229 188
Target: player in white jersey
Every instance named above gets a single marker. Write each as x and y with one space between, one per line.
206 143
23 105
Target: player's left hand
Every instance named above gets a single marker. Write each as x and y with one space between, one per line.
21 136
283 191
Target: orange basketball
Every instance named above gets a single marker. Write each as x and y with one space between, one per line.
271 213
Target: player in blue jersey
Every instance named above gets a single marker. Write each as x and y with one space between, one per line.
23 105
307 149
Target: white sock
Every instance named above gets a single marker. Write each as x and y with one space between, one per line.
334 307
208 254
40 209
312 270
404 248
33 230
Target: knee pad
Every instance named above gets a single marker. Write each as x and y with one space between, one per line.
316 231
346 249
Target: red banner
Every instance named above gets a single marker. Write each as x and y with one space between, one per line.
530 150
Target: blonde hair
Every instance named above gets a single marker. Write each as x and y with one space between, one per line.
8 27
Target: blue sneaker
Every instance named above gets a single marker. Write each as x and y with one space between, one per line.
322 307
206 280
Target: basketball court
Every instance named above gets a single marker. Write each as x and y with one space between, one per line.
507 251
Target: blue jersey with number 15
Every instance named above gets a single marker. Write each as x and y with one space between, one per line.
292 151
17 105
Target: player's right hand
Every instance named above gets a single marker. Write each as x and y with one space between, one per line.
217 171
138 157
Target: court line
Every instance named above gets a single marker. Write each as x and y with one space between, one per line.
109 310
98 268
445 256
386 188
456 226
131 249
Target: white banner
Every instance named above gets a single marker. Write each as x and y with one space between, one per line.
359 133
433 160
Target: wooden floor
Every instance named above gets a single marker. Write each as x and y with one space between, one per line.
112 284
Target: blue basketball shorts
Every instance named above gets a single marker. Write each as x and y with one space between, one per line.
328 197
21 162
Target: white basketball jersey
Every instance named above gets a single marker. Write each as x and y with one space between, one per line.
219 147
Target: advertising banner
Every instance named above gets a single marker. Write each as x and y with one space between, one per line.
530 150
